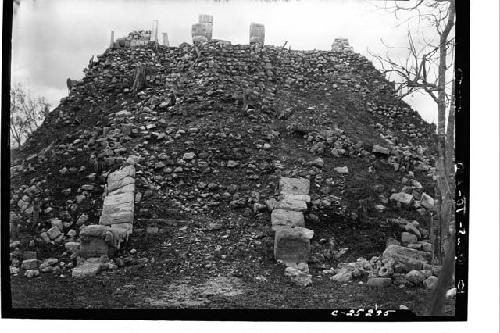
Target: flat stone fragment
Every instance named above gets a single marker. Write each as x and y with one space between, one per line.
379 282
291 245
286 218
294 185
86 269
291 204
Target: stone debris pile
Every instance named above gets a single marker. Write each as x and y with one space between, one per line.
405 263
291 241
134 39
211 126
115 225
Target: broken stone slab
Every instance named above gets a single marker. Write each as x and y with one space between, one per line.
291 245
427 201
127 171
410 259
119 198
301 197
291 204
72 247
86 269
130 188
294 185
403 198
286 218
117 184
122 207
117 218
380 150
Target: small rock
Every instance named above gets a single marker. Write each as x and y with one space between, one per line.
430 282
342 170
32 273
188 156
415 277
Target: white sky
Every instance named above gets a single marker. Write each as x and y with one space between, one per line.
54 39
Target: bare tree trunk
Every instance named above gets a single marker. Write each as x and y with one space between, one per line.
446 196
442 165
439 292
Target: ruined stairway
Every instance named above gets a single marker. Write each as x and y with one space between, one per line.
291 241
101 241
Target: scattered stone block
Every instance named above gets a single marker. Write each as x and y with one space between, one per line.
289 203
291 245
290 186
30 264
286 218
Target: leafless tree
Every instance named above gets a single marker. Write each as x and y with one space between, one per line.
26 113
425 69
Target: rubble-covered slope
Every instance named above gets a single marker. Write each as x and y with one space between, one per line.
212 132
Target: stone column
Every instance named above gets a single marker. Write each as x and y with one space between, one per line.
165 39
112 41
257 33
154 32
207 21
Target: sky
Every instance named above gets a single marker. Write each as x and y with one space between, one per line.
54 39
